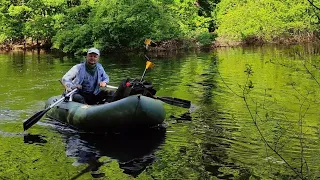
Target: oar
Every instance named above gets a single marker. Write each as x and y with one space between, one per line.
36 117
175 101
149 64
169 100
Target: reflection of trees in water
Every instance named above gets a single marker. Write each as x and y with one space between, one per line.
217 141
209 80
134 151
283 133
214 150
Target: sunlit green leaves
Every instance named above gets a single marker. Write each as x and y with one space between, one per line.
53 3
18 10
266 18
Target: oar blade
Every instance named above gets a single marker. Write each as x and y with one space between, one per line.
34 119
176 101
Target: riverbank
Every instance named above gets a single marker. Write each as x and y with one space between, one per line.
25 45
182 44
166 45
255 40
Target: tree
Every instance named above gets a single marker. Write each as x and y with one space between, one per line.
265 19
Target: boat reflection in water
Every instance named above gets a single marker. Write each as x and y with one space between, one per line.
134 151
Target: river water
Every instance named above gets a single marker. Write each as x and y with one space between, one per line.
254 115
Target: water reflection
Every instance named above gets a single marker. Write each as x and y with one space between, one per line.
34 139
184 117
93 166
134 151
216 139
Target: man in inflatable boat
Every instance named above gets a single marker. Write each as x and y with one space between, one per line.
90 77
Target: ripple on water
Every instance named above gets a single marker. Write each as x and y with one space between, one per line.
61 127
8 115
13 134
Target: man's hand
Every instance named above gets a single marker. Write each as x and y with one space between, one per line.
73 87
78 86
103 84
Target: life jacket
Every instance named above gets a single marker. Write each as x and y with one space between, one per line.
131 86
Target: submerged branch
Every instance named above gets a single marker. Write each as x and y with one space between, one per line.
309 72
267 144
312 4
301 116
228 86
261 134
255 117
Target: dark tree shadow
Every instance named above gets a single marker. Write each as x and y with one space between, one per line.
133 150
34 139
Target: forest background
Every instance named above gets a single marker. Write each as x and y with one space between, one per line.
72 26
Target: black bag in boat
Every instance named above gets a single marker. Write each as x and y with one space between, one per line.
130 87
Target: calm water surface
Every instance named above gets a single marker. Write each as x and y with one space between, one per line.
255 115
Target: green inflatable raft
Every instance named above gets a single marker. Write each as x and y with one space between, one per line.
132 105
134 111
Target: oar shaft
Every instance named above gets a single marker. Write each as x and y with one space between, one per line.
62 99
175 101
144 72
169 100
112 87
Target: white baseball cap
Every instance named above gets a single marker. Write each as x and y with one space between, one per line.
94 50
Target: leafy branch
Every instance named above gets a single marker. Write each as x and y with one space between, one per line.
246 89
312 4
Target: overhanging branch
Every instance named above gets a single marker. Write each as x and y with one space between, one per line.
314 5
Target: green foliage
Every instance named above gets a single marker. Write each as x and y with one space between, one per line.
40 28
73 26
130 23
205 38
315 10
125 24
3 38
69 41
206 9
19 11
266 19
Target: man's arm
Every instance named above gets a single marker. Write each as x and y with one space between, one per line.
104 78
69 76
